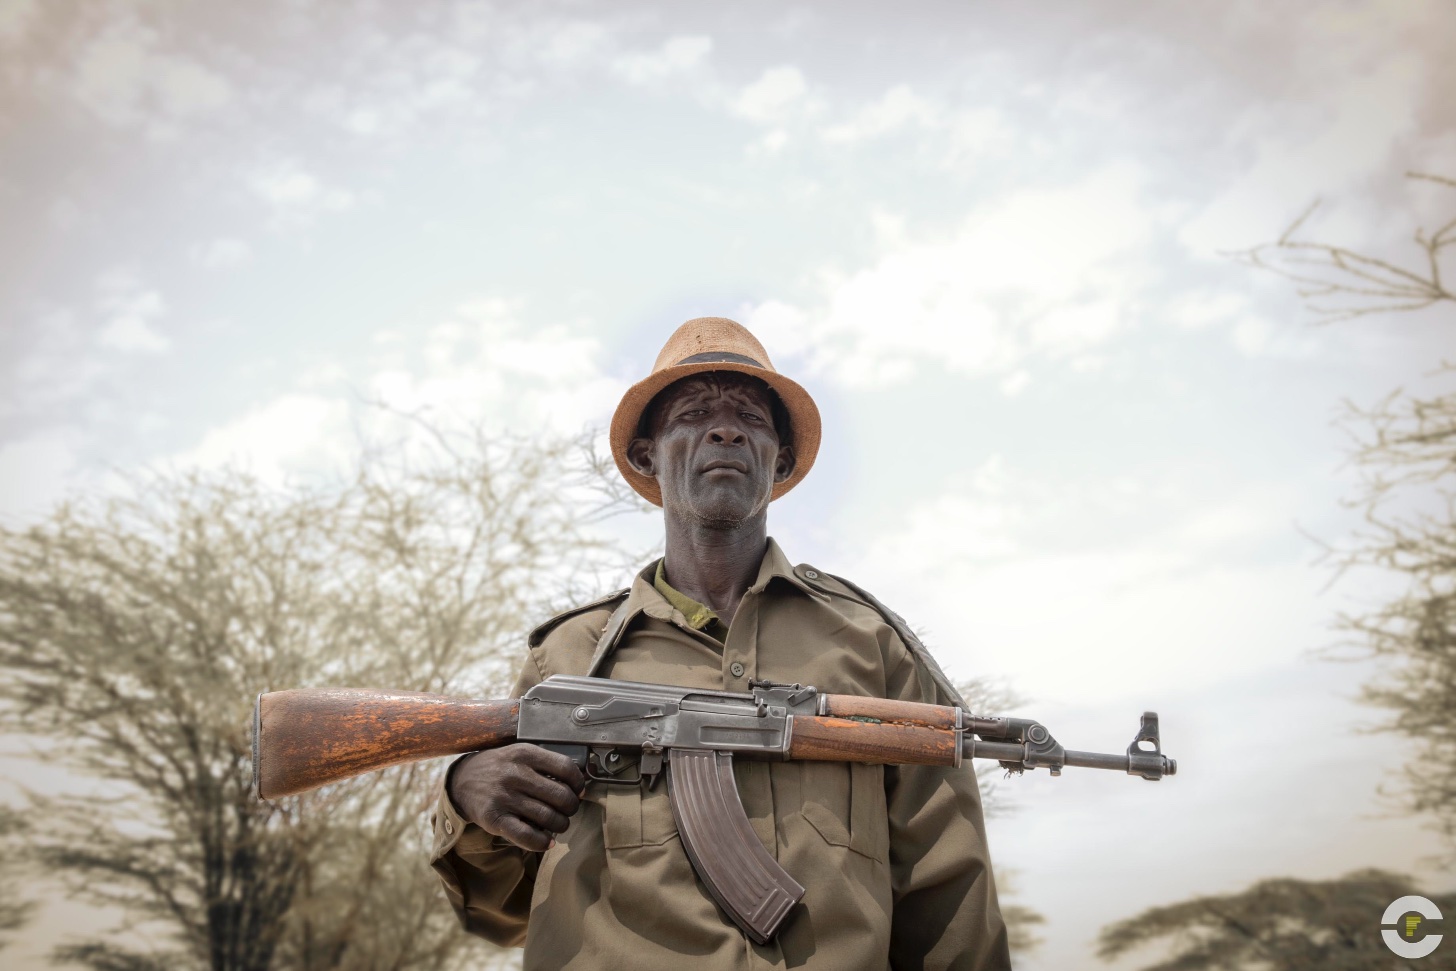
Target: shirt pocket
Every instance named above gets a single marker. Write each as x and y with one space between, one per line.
845 803
635 815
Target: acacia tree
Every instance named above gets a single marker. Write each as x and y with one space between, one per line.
1278 925
136 630
1405 448
14 908
1405 445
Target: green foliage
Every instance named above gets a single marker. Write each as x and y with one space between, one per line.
1278 925
136 631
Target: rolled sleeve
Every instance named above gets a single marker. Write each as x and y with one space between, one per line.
488 881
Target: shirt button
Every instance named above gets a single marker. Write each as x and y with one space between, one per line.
810 575
449 828
736 668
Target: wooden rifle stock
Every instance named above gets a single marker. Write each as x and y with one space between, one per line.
310 737
307 738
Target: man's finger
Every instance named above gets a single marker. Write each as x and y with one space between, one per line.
522 833
546 790
554 764
541 816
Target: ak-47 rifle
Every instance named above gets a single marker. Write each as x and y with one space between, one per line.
306 738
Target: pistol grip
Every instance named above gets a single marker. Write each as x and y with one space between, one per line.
743 878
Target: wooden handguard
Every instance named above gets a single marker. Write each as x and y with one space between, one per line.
828 739
885 710
309 737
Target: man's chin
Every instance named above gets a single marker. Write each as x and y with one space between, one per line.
721 511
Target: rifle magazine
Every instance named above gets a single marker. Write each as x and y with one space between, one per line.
748 883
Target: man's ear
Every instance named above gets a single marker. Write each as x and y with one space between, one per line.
784 464
640 456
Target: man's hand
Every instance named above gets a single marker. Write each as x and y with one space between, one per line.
521 792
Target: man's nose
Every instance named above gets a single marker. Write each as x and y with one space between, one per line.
726 434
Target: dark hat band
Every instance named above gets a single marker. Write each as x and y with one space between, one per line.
720 357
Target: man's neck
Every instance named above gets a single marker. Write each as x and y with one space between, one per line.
712 565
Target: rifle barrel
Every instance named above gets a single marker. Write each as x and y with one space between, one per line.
1148 765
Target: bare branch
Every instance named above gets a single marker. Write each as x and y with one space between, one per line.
1338 283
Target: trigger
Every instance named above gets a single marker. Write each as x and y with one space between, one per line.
577 753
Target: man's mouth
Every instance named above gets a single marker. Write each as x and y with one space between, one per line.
718 464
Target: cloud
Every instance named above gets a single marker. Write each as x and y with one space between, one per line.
566 43
221 253
294 434
897 109
486 364
1076 585
296 196
951 137
773 97
769 143
15 18
34 471
677 55
184 87
387 85
1250 332
54 363
124 77
1049 272
130 311
1256 336
464 67
1014 383
1343 136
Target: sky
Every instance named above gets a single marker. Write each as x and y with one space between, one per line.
1066 435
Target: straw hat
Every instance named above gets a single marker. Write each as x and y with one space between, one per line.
714 344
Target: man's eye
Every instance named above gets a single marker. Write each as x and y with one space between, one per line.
749 415
694 413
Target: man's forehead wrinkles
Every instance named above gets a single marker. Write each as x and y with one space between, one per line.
698 389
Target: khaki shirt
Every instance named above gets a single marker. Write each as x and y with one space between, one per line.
893 858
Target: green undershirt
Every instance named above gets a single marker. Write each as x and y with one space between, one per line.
699 616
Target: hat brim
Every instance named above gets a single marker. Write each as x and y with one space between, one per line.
803 420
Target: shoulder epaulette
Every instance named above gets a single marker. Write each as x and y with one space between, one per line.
897 623
538 635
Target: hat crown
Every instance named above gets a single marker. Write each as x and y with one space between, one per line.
711 335
702 345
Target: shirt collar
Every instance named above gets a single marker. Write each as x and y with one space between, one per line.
646 598
776 564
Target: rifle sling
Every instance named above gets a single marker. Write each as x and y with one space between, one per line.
612 632
912 643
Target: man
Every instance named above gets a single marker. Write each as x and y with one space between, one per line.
893 858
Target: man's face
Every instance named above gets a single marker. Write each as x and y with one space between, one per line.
714 451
